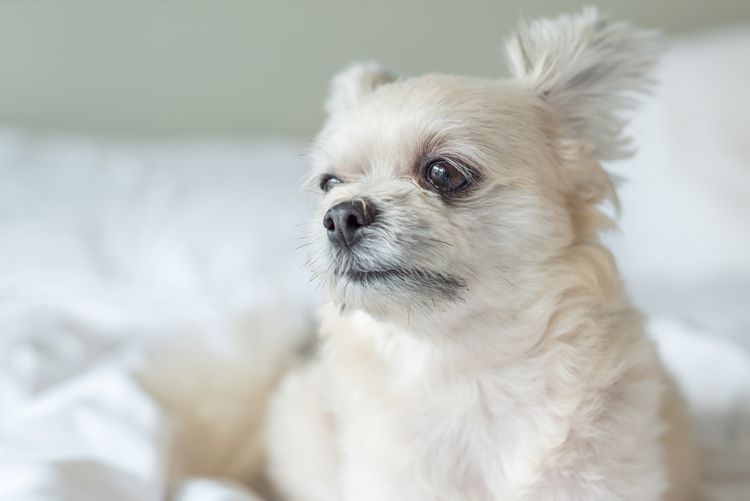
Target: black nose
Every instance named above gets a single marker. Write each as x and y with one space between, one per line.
344 221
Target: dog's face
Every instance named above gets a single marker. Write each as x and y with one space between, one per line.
449 194
438 193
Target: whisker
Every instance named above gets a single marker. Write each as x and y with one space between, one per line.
437 240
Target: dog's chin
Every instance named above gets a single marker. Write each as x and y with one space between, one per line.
392 292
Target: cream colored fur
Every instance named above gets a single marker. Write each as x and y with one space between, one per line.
533 379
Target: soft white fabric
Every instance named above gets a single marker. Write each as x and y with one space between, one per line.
684 244
115 257
111 252
714 373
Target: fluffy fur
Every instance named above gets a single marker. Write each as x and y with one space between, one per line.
481 347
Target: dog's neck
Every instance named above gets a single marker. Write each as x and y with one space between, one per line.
570 303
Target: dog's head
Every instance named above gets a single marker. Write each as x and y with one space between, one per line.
443 192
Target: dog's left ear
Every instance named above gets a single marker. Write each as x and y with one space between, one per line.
351 85
590 70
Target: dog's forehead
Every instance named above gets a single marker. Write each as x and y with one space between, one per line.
406 120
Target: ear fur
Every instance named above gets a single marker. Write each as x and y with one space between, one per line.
590 70
352 84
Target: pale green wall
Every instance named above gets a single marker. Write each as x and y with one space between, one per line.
254 67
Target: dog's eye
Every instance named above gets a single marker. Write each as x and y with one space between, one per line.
445 176
328 181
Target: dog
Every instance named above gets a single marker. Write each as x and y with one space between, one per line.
478 344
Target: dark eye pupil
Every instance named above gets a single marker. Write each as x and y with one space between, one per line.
446 177
329 182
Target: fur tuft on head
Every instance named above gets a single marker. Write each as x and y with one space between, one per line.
590 70
352 84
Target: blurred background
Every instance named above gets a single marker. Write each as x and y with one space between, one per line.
257 67
153 232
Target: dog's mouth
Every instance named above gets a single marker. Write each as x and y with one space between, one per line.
440 282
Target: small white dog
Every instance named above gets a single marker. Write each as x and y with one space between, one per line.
479 345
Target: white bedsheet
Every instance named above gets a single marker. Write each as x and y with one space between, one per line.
110 252
113 254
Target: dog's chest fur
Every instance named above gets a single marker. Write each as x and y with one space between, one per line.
459 433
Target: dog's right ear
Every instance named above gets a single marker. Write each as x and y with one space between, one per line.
355 82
